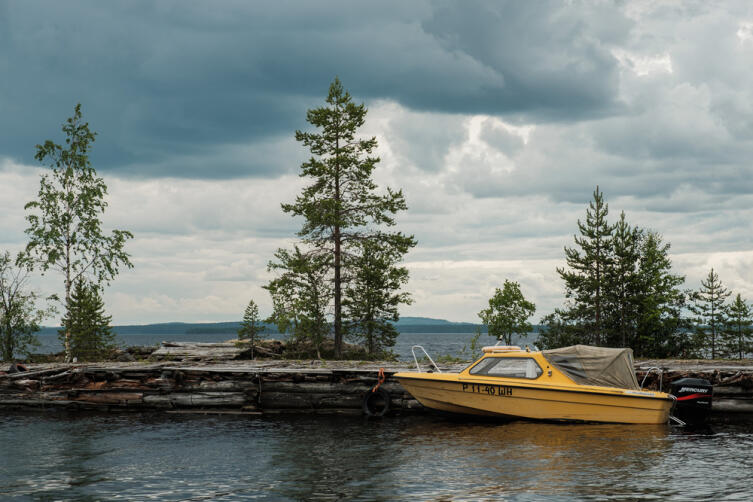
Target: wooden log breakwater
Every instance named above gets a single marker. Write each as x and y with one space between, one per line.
275 386
238 388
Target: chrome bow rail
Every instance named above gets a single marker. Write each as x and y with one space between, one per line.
415 359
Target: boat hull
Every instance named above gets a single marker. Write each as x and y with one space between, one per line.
509 400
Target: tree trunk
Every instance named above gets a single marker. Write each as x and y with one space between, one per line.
68 355
338 244
338 299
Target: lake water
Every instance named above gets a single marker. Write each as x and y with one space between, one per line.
435 343
58 456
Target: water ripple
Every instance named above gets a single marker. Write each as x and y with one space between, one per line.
61 456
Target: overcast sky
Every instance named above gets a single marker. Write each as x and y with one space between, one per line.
497 119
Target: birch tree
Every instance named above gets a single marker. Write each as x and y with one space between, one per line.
19 315
65 221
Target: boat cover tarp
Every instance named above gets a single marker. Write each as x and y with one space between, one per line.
588 365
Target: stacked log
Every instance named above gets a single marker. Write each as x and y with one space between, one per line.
166 387
217 351
282 386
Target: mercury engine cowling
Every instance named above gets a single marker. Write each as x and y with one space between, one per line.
694 396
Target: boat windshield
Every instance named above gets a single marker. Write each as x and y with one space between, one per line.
508 367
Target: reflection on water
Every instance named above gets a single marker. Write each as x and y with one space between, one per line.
182 457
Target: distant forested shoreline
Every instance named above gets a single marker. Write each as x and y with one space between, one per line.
406 325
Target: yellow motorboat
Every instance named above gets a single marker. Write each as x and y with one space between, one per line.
578 383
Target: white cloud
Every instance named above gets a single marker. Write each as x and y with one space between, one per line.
745 32
644 65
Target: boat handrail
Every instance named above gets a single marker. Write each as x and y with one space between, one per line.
415 359
490 349
661 376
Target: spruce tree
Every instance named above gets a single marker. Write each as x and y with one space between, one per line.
91 336
739 328
341 206
660 326
711 312
586 279
373 296
301 295
251 325
623 284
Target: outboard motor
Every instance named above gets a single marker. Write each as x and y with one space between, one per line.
694 396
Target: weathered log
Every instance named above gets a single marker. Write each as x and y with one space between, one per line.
230 399
304 401
32 374
117 398
732 405
223 386
215 351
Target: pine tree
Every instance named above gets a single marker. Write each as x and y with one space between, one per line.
711 312
373 297
251 325
508 313
342 203
623 284
660 326
739 329
91 336
586 279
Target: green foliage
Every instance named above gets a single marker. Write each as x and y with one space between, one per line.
65 230
91 336
623 279
251 325
19 316
738 331
660 328
473 349
342 203
710 313
373 296
558 330
508 313
586 276
620 289
300 295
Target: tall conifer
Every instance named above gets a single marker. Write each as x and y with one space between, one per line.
586 275
711 312
623 284
660 327
341 206
739 329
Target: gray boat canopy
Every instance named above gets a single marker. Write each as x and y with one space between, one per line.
588 365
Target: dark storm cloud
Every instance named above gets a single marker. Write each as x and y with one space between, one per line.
219 82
